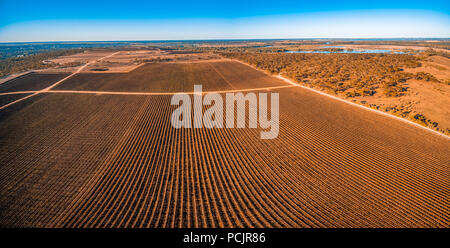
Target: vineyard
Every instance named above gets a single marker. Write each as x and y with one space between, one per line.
5 99
103 160
174 77
31 81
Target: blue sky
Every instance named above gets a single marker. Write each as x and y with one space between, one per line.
161 20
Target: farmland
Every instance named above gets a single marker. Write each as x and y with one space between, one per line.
89 159
31 81
173 77
5 99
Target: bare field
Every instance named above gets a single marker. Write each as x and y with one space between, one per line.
12 76
84 57
174 77
437 66
5 99
31 81
86 160
122 62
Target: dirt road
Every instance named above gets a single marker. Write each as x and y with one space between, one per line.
57 83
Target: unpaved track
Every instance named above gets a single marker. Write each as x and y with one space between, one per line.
133 93
86 160
57 83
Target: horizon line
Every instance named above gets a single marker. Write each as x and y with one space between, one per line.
233 39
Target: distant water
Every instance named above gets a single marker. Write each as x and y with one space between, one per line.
347 51
332 47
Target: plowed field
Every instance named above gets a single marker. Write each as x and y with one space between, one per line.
173 77
86 160
31 81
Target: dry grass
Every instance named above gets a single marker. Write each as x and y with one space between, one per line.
425 98
412 87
